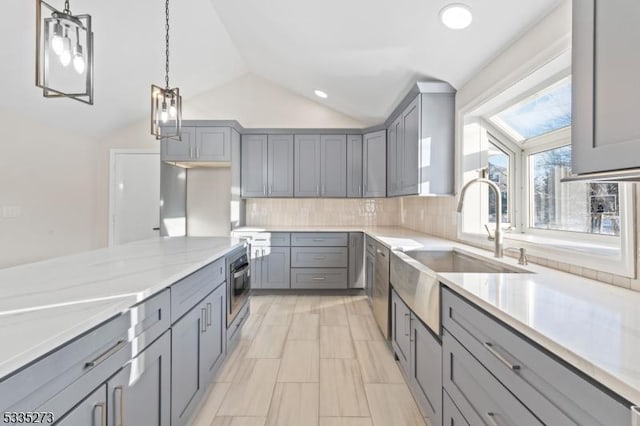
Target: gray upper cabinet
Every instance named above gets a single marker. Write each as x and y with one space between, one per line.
307 166
145 401
213 144
606 95
375 161
421 144
354 166
254 166
333 166
280 166
173 150
206 144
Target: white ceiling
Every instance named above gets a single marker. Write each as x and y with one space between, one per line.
363 53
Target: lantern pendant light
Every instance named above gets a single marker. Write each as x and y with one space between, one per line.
64 53
166 103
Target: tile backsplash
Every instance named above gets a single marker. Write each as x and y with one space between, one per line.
319 212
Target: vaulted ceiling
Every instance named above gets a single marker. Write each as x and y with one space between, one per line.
363 53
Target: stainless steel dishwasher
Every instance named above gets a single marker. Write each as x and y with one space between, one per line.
381 290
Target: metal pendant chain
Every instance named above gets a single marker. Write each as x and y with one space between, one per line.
167 41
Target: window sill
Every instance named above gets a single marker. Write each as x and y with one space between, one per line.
596 256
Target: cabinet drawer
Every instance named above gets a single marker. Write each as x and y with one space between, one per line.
319 239
319 257
150 319
318 278
187 292
555 393
451 416
60 380
479 396
273 239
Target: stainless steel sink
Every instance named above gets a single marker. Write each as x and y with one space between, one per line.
441 261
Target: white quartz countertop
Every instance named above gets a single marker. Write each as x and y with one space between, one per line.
45 304
593 326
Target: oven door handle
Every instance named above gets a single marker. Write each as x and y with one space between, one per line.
242 271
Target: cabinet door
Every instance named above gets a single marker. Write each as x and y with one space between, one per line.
186 375
375 164
214 339
140 394
280 166
606 96
393 157
426 370
356 260
410 148
333 166
92 411
354 166
275 265
307 166
256 266
173 150
254 166
213 144
400 331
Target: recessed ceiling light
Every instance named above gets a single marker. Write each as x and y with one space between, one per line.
456 16
320 94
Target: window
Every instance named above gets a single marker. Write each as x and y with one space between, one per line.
591 208
522 139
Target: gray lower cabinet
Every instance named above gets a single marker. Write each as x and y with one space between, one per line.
319 257
140 394
197 347
374 159
451 416
280 165
92 411
483 357
319 278
426 370
270 267
356 260
606 96
369 267
354 166
254 166
401 331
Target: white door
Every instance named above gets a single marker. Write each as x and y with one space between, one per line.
135 196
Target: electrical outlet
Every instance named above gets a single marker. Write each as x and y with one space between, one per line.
10 212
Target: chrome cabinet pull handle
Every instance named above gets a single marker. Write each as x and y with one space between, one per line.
318 278
203 320
264 189
319 258
262 258
635 413
490 347
106 354
120 411
209 314
406 329
103 413
197 152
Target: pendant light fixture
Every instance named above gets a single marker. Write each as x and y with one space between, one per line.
64 53
166 104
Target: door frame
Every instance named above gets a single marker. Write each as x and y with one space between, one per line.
113 152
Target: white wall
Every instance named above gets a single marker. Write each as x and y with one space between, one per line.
48 174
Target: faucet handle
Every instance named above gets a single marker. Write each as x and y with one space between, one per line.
490 236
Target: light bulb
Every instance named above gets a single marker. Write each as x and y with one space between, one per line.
65 56
78 60
173 111
57 44
164 115
78 63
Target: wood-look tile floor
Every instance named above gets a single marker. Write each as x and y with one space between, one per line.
310 361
